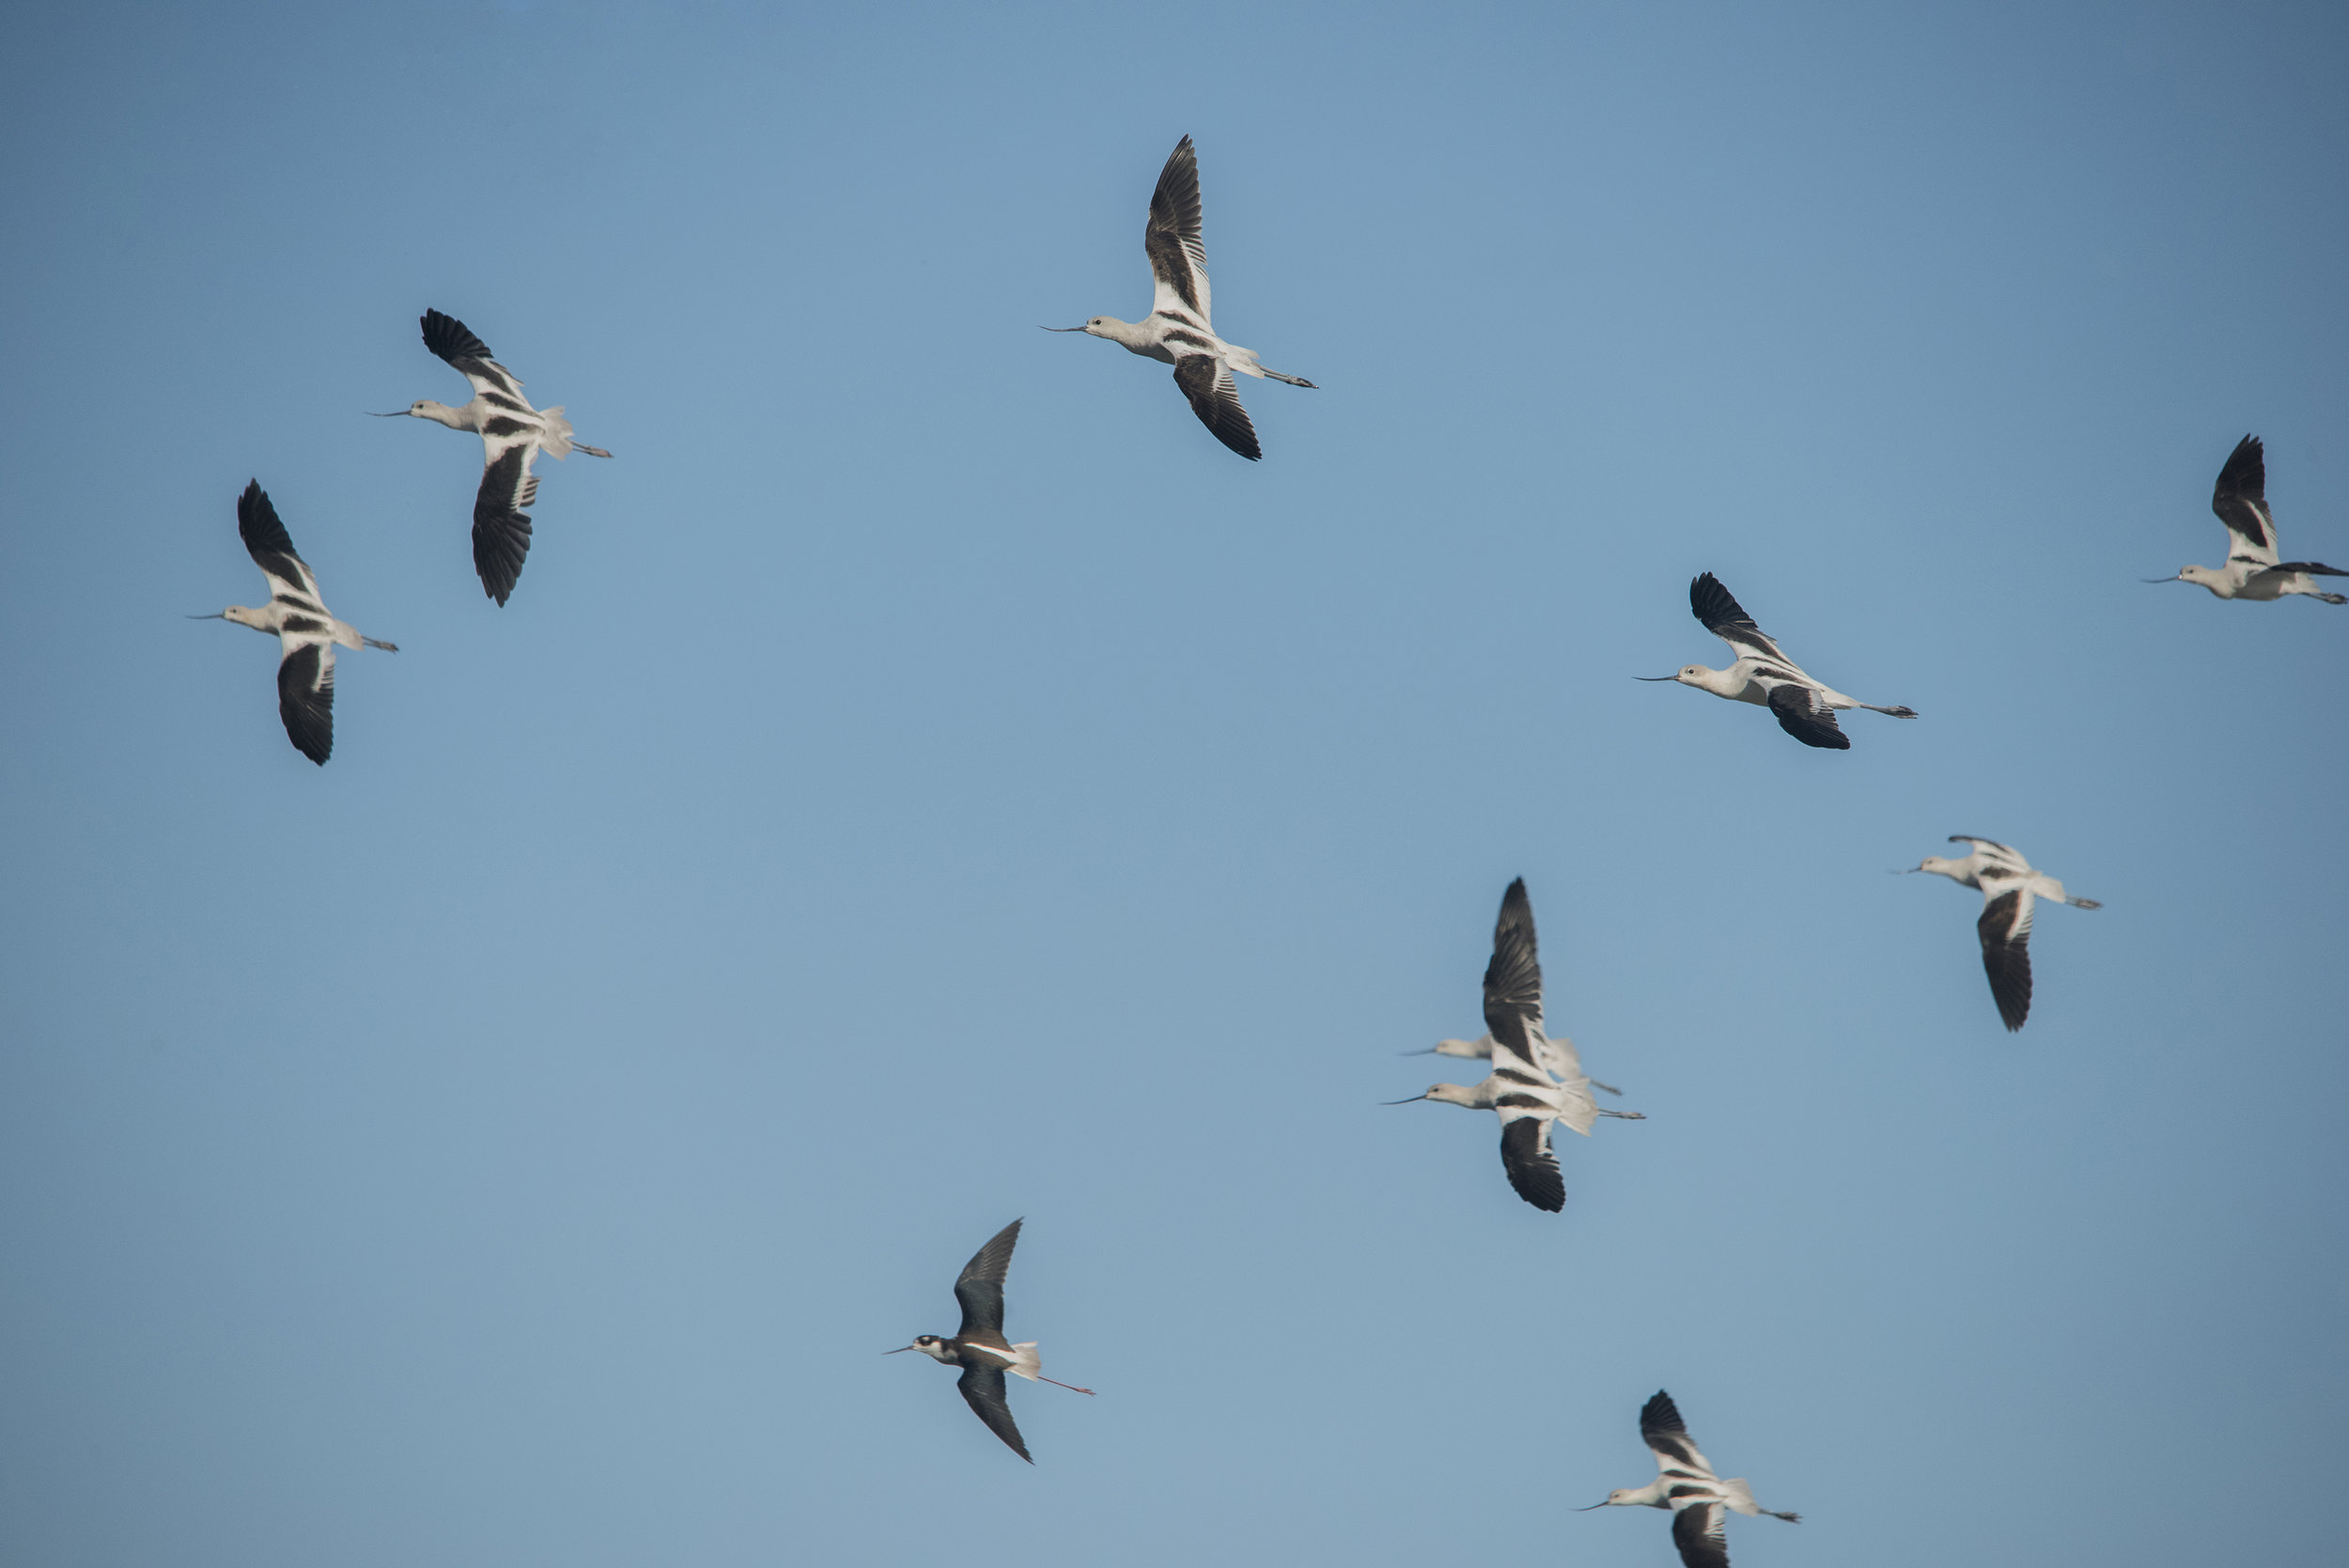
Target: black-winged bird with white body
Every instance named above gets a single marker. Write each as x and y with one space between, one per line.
1805 705
1684 1483
979 1348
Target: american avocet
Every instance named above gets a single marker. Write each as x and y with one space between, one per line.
512 434
1520 1091
1763 676
2009 888
979 1348
1685 1483
306 632
2253 570
1176 331
1557 1055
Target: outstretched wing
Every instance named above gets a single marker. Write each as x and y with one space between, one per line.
1802 715
1178 257
1526 1155
983 1391
2005 931
501 524
2240 499
266 541
980 1286
1208 383
1698 1531
1667 1436
1513 982
450 340
1997 858
305 695
1725 618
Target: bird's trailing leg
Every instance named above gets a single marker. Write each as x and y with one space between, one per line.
591 451
1609 1087
387 647
1293 381
1058 1384
1626 1115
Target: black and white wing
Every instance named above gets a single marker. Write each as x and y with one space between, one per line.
305 694
1699 1530
2005 931
1525 1098
1667 1437
1178 257
501 519
1725 618
1801 714
1997 859
266 541
980 1290
983 1391
1513 980
1526 1155
2240 499
1215 398
450 340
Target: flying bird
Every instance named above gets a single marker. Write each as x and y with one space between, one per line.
1699 1501
1176 331
2009 888
307 634
2253 569
1556 1053
1805 707
979 1348
1521 1091
512 435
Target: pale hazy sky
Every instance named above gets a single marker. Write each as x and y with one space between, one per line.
924 779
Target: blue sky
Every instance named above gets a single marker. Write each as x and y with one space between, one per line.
924 779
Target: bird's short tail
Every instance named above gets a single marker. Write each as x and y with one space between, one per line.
557 441
1740 1496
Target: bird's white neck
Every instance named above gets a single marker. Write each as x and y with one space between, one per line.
1133 336
1721 683
441 413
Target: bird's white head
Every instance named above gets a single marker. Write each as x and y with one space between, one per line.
928 1345
1460 1047
1449 1094
1102 326
2201 577
1693 674
256 619
1941 866
424 408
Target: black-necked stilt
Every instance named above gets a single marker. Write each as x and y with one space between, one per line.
1176 331
1763 676
2008 887
1521 1090
1685 1483
2253 569
306 632
512 435
1558 1056
979 1348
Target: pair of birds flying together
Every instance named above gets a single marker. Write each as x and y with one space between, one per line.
1535 1080
1177 331
512 435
